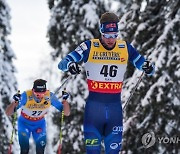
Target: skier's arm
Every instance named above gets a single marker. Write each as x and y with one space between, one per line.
79 54
11 108
60 106
139 61
18 101
134 57
66 108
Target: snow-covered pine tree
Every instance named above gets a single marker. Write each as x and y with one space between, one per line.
8 83
154 30
72 22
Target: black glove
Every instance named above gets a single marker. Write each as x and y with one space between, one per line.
148 67
74 68
65 95
17 97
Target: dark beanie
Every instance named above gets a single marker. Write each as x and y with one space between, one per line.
39 85
109 17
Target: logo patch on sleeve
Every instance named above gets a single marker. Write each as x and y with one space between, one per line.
96 44
46 98
83 46
121 45
79 50
30 98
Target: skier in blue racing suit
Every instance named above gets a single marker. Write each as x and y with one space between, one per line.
34 104
105 64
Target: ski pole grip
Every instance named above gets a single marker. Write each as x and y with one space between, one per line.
65 95
17 96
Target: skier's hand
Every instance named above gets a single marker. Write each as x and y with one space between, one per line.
17 97
148 67
74 68
65 95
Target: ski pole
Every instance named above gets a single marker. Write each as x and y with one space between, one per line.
62 121
60 135
57 90
137 84
12 134
13 131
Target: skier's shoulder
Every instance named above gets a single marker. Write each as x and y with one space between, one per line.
131 49
24 95
53 97
130 46
23 99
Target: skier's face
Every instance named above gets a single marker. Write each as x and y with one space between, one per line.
109 39
39 95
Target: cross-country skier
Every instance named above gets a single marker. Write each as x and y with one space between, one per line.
105 64
34 104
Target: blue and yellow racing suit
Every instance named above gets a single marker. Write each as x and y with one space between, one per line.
32 121
103 111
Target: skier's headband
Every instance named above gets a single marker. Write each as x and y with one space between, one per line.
109 27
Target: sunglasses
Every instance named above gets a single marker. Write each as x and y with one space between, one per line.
107 36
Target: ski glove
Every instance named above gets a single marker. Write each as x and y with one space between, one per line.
148 67
74 68
65 95
17 97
